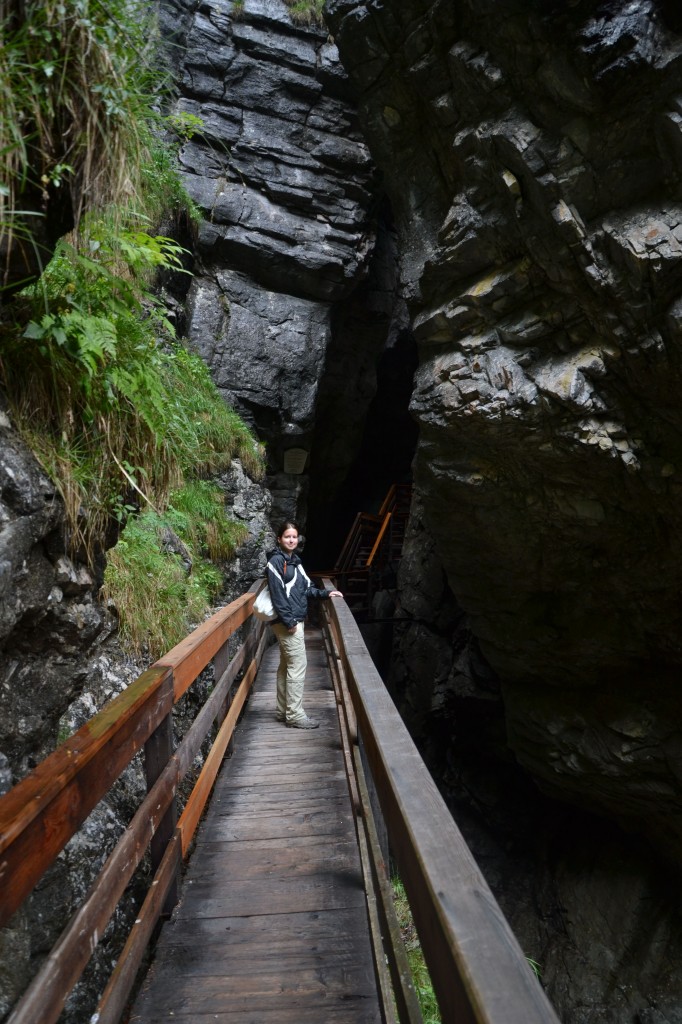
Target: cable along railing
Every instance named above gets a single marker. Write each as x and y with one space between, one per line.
479 973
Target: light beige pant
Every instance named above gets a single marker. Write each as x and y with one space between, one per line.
291 672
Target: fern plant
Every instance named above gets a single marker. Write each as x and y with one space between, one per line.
115 409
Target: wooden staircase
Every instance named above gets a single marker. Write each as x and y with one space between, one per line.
369 559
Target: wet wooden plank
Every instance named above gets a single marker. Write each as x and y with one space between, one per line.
272 922
274 858
341 1010
297 932
285 894
200 993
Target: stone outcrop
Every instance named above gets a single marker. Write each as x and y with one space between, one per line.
537 196
49 618
285 183
531 156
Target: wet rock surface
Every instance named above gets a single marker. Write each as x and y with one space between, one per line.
49 618
531 155
286 186
537 201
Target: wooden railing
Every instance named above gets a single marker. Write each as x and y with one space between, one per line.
479 973
41 813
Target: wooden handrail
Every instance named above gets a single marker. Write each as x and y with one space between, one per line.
388 504
366 524
478 970
380 537
40 814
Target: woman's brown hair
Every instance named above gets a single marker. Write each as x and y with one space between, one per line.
287 526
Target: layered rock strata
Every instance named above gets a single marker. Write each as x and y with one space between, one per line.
531 155
285 183
538 200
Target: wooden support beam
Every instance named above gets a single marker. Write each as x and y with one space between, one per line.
115 996
158 751
189 819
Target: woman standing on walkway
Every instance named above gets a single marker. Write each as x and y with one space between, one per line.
290 589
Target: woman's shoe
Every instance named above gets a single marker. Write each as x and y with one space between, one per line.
303 723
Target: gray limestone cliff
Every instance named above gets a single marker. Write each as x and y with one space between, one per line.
287 293
503 179
531 152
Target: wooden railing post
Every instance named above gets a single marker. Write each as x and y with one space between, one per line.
158 751
220 664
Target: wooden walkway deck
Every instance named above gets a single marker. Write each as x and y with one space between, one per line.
272 921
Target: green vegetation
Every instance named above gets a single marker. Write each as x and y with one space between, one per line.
307 12
157 598
121 416
114 409
535 967
76 81
420 974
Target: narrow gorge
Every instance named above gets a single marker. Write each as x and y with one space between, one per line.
440 243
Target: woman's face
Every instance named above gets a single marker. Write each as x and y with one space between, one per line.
289 540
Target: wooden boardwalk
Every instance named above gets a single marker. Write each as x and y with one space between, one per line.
272 921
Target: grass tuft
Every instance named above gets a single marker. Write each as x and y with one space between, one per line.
420 974
159 576
307 12
77 83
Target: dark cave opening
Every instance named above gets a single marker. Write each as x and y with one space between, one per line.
384 456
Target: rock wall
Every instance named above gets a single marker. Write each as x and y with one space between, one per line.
285 266
531 155
538 201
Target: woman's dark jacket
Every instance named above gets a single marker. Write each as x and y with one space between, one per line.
290 588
